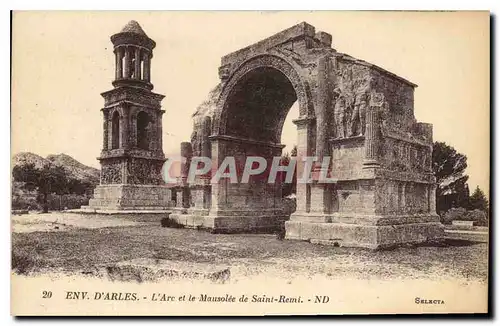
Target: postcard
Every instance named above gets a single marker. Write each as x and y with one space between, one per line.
204 163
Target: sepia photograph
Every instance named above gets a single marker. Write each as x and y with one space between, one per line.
232 163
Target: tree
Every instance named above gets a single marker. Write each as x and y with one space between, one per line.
478 200
449 167
79 187
50 179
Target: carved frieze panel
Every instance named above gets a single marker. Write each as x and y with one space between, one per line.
404 156
132 95
111 172
399 98
351 97
143 171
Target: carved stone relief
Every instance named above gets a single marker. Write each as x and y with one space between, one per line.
351 98
111 172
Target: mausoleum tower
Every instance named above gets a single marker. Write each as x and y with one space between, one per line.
132 155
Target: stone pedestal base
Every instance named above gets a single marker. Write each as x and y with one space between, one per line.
189 217
232 221
121 197
365 232
188 220
244 223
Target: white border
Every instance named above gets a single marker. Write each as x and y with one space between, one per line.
182 5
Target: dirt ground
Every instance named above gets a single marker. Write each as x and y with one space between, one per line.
131 251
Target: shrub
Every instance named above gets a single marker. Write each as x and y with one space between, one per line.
70 201
168 222
458 213
289 205
479 217
20 202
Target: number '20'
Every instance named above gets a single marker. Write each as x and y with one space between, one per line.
46 294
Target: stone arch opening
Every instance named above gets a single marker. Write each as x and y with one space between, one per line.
258 105
143 121
115 130
252 110
257 108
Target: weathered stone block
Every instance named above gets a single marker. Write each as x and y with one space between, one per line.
361 235
130 197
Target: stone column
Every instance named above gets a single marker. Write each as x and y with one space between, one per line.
205 196
323 103
206 151
119 63
121 136
160 131
219 188
404 207
432 198
126 127
153 133
425 201
187 152
128 59
410 201
371 132
124 172
133 131
110 133
137 68
147 71
305 127
178 197
105 131
321 192
401 198
396 194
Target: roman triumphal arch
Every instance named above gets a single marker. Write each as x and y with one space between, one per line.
355 116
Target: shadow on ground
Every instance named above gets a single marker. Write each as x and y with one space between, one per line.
450 242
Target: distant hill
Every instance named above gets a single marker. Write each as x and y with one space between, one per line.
76 169
26 199
26 158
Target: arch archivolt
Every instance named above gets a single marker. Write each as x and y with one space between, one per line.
289 69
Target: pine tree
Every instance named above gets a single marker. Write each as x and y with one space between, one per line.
478 200
449 168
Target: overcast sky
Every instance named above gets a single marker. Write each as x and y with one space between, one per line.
62 61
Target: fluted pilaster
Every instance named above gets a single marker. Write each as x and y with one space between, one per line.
147 68
119 63
105 130
372 131
126 68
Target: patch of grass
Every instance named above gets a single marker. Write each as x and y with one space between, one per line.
24 263
79 250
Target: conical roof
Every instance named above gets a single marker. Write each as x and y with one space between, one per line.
132 33
133 27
